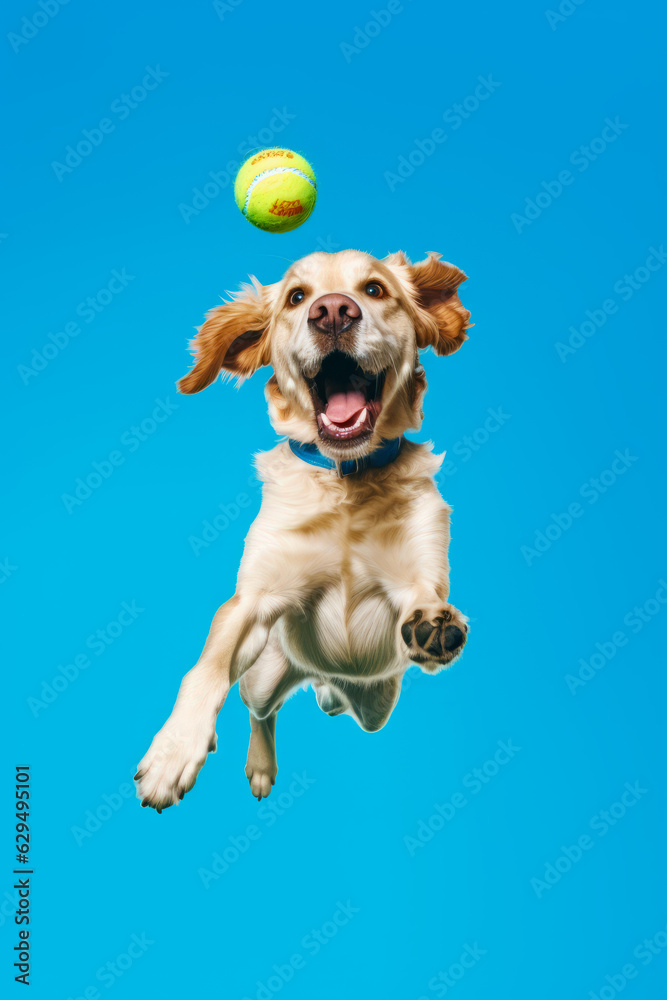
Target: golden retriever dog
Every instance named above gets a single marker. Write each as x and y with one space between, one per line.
344 581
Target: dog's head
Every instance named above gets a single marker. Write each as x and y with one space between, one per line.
342 332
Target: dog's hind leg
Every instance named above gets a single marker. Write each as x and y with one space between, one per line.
369 704
330 699
264 688
261 765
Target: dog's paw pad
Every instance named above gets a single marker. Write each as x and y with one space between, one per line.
436 639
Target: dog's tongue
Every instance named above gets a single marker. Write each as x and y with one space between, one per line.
342 406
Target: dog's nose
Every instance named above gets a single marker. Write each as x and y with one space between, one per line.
334 313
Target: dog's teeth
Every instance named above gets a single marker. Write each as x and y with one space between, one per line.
325 420
362 416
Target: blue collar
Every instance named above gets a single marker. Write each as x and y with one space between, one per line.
383 455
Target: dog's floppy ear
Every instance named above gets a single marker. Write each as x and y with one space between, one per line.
234 339
442 319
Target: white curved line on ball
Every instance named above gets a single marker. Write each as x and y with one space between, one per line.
267 173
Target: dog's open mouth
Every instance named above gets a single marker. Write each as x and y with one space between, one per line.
347 399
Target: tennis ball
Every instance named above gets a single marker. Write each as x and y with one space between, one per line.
276 190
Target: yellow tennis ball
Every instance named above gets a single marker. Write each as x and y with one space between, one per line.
276 190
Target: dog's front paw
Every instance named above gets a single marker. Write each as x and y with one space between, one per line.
435 639
171 765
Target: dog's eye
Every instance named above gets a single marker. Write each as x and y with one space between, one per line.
375 290
298 295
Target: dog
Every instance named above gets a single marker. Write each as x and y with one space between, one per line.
344 581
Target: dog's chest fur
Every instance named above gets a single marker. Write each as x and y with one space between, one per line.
343 551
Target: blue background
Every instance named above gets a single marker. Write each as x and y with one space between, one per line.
353 115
